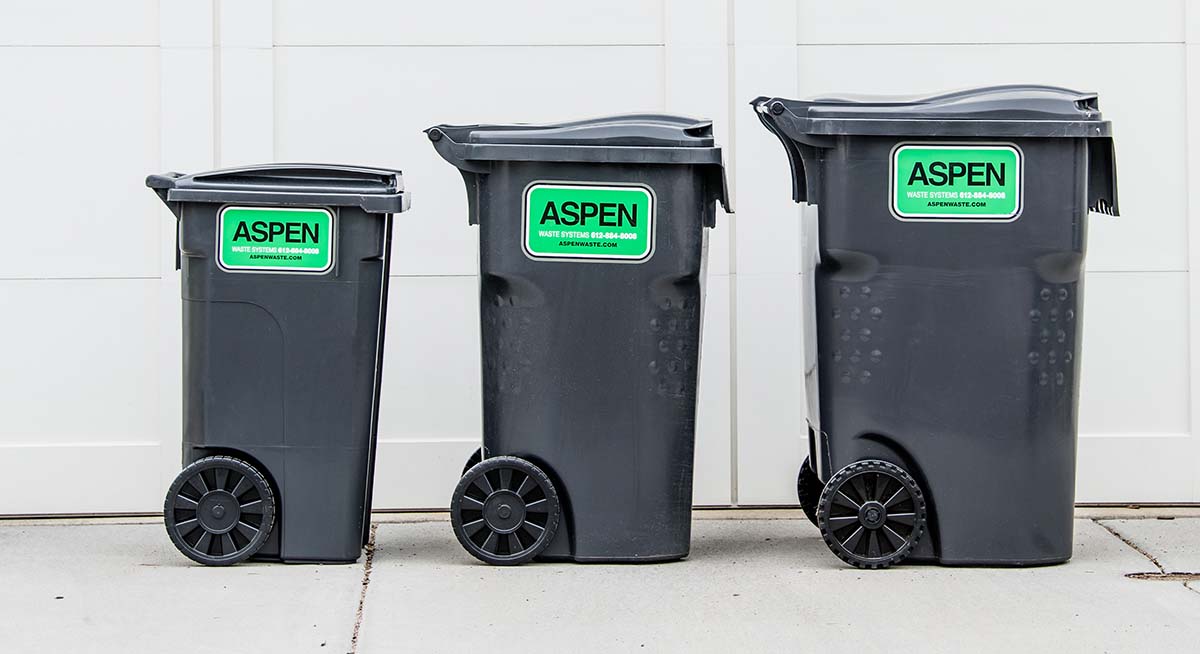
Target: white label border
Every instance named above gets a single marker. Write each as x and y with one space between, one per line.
893 184
277 269
651 198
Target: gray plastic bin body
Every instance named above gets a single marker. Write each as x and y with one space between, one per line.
949 344
590 365
281 368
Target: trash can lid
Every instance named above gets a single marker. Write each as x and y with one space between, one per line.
633 138
1016 110
374 190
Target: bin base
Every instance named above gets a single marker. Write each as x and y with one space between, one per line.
989 563
657 558
316 561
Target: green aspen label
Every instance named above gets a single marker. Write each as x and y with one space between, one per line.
266 239
588 221
962 183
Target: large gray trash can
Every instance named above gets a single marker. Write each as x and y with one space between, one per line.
592 249
944 282
285 271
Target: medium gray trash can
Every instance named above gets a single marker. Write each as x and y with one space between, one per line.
592 248
284 271
943 274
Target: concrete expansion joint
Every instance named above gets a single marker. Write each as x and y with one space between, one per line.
1162 575
1133 545
368 562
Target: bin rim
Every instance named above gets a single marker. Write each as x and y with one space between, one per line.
1015 111
1005 111
625 138
647 138
374 190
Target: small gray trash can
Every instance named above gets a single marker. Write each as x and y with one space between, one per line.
284 271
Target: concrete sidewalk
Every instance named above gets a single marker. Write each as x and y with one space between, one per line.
756 580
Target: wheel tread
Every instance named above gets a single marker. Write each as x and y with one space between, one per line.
541 479
858 467
258 480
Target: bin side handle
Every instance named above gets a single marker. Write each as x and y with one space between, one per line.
162 185
1102 176
473 182
716 189
795 161
472 171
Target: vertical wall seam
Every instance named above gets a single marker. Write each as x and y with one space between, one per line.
1193 237
274 87
731 160
216 78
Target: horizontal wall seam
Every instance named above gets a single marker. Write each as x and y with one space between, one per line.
300 46
90 45
985 43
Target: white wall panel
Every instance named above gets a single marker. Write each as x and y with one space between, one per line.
771 428
80 361
764 22
767 373
467 22
1134 377
105 477
1192 95
247 106
1016 21
696 22
431 378
1151 232
246 23
186 143
370 105
1136 468
72 22
82 400
712 484
80 136
186 23
430 414
416 474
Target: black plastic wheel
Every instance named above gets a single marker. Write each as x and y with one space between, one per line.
504 511
871 514
476 457
808 490
219 511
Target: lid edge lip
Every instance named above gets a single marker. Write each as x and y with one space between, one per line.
832 98
1008 128
293 165
394 202
695 155
598 120
526 133
392 180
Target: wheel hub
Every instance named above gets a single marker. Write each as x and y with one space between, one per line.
872 515
504 511
218 511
